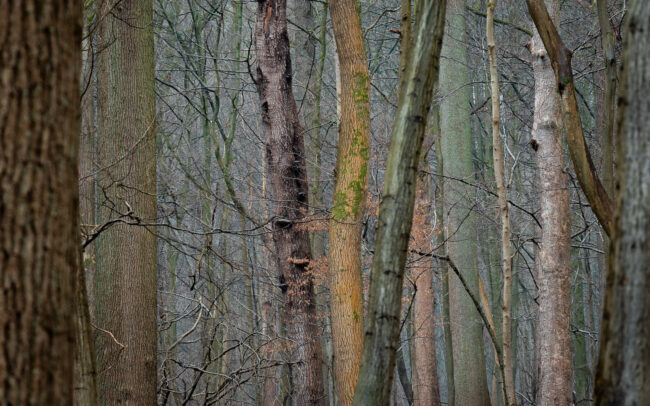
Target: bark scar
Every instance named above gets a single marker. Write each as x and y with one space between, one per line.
269 12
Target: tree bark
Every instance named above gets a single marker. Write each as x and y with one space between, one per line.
624 369
460 220
560 59
39 214
344 259
126 280
554 366
424 366
608 42
502 192
285 156
396 209
85 370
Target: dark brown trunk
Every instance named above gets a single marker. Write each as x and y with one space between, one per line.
624 369
126 278
289 191
39 216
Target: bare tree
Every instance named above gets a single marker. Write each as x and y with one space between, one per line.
396 208
286 166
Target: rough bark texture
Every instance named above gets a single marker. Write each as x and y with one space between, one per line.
554 369
286 166
396 209
39 217
560 59
344 259
624 370
502 192
460 221
125 283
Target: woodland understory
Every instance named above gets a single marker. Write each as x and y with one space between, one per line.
309 202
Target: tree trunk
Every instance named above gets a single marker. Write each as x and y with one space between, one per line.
85 370
285 156
396 209
425 371
460 222
560 59
344 259
126 283
502 192
624 370
554 372
608 43
39 215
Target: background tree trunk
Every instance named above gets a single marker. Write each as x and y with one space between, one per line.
39 214
554 370
502 192
286 163
126 280
460 220
624 370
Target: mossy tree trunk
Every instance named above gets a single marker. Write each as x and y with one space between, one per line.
396 208
460 221
344 259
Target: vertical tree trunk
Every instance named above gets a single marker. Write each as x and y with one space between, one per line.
608 43
502 192
85 371
344 259
285 156
125 284
466 326
39 215
425 373
624 370
440 241
554 372
396 209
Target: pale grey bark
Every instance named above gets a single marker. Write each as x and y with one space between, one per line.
554 366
